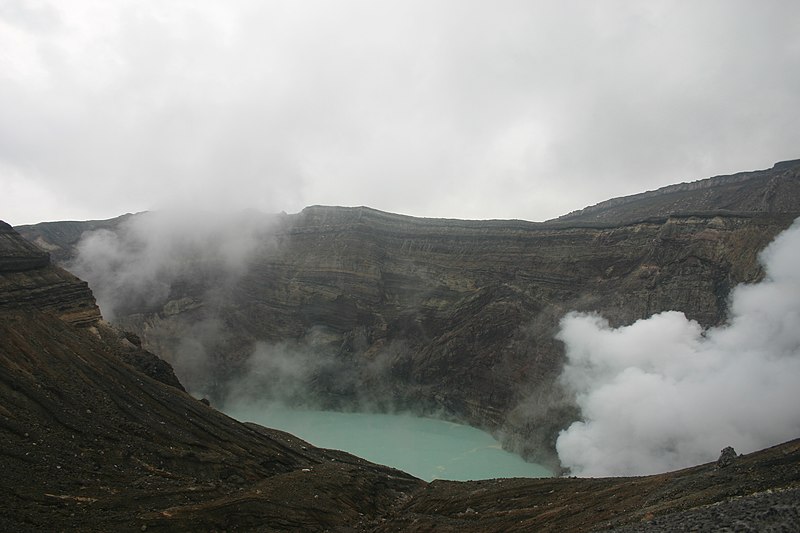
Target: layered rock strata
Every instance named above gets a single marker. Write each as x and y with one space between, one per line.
29 280
448 316
88 443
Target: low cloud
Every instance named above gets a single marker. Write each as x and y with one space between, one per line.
663 393
453 108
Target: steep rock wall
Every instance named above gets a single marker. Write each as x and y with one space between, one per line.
89 444
29 280
448 316
30 283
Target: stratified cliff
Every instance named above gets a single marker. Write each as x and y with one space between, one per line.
88 443
30 280
449 316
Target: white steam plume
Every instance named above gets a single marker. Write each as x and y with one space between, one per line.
663 394
136 265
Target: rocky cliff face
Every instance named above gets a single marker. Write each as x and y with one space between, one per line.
88 443
29 280
19 255
383 311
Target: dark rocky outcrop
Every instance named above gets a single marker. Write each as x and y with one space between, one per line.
726 457
19 254
458 317
29 280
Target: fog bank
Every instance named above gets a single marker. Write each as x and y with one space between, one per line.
663 393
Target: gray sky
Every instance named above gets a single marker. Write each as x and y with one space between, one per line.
501 109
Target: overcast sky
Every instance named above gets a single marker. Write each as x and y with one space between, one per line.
466 109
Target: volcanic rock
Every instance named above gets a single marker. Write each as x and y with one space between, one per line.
89 443
726 457
450 316
18 254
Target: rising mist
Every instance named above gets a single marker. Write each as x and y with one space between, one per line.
663 393
175 262
177 275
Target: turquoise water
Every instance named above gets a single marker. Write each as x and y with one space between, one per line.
424 447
